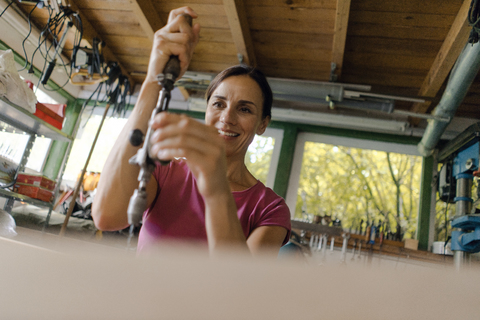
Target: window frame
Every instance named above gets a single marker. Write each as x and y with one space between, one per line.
303 137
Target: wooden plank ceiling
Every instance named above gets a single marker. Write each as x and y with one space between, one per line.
402 47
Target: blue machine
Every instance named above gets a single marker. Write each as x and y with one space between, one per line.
463 152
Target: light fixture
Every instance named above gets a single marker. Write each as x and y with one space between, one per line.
339 121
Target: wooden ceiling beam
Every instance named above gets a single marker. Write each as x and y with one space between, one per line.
237 19
150 22
147 16
340 34
447 55
89 33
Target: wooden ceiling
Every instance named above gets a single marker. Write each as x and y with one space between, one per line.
399 47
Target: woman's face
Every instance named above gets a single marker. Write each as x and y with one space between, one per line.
235 109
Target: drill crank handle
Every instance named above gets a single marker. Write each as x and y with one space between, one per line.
172 68
170 74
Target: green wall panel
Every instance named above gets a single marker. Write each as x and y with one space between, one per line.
425 203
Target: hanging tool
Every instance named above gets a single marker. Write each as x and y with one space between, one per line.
320 242
58 51
345 237
354 248
138 201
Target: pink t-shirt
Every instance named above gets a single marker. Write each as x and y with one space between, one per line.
178 212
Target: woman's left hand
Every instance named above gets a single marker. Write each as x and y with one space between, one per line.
177 136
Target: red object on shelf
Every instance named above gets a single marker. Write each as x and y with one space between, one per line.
48 119
51 113
33 192
29 83
56 111
36 180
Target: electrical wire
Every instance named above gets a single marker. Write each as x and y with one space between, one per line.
28 35
449 198
97 90
1 14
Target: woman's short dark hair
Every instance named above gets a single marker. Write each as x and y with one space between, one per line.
253 73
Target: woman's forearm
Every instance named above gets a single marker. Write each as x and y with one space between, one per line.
223 228
119 178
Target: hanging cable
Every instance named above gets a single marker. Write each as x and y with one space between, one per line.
474 21
28 35
97 90
1 14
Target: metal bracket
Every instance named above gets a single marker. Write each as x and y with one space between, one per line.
333 76
241 60
331 103
8 206
26 153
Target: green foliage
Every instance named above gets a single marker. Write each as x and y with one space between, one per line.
355 184
259 156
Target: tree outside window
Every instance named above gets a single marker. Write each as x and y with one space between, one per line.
359 186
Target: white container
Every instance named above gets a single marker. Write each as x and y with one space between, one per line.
8 168
439 246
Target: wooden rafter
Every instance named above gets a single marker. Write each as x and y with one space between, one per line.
446 57
150 22
237 19
184 92
89 33
147 17
340 35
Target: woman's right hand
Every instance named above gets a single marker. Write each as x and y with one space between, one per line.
178 38
179 136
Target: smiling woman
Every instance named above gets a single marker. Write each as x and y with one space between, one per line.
236 108
206 193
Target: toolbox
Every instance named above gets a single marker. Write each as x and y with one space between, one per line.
51 113
36 180
32 191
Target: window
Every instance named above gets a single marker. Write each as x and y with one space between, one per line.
13 142
347 179
262 155
83 142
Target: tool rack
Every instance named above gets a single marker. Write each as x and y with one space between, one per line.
22 120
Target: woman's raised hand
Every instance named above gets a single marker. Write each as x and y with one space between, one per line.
179 136
176 38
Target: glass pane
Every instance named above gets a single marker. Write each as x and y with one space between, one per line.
359 186
38 153
83 143
259 157
12 145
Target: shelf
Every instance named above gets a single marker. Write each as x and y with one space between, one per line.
21 197
25 121
317 228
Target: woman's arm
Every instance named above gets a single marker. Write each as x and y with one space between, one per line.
266 240
119 178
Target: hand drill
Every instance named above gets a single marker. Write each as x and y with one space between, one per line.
138 201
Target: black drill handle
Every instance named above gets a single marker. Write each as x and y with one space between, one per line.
48 72
172 68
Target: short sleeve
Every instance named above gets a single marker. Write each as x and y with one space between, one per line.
276 213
